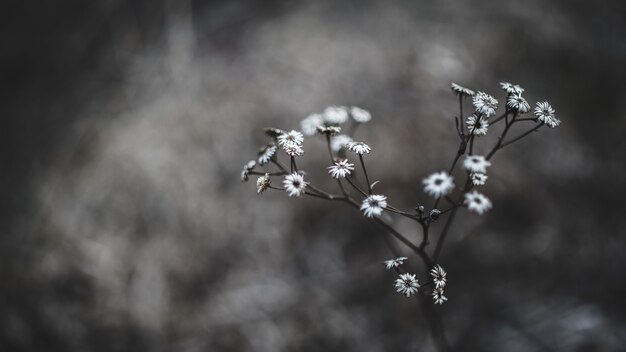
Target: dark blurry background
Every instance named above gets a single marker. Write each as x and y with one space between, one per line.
125 126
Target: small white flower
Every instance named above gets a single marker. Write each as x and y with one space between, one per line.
476 163
394 263
359 115
293 149
517 102
373 205
438 296
485 104
341 169
406 284
249 166
329 130
545 114
458 89
336 115
359 148
294 184
266 153
338 142
477 202
262 183
293 137
309 125
478 179
477 125
439 276
438 184
512 89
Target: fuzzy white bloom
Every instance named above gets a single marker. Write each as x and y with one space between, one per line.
545 114
485 104
460 90
438 184
438 296
266 153
477 125
293 149
373 205
339 142
293 137
406 284
476 163
517 102
341 169
359 115
394 263
329 130
309 125
336 115
477 202
262 183
511 88
478 179
294 184
249 166
359 148
439 276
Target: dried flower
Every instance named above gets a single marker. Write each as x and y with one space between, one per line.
394 263
293 149
336 115
512 89
477 125
373 205
273 132
338 142
439 276
293 137
460 90
249 166
266 153
545 114
406 284
359 115
476 163
485 104
262 183
438 296
438 184
309 125
359 148
329 130
341 169
294 184
478 179
477 202
516 102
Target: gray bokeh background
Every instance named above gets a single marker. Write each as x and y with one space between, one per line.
125 226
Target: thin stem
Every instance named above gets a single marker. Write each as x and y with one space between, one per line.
281 173
332 161
522 135
356 187
367 179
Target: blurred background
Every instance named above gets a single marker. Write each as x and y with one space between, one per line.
126 124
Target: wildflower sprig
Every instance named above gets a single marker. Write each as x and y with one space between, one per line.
338 124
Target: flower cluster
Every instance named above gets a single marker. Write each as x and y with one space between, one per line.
352 179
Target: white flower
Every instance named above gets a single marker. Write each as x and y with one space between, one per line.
329 130
545 114
336 115
359 115
439 276
485 104
438 184
406 284
293 149
341 169
373 205
394 263
293 137
477 202
309 125
266 153
516 102
262 183
458 89
438 296
294 184
359 148
338 142
477 125
249 166
512 89
478 179
476 163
